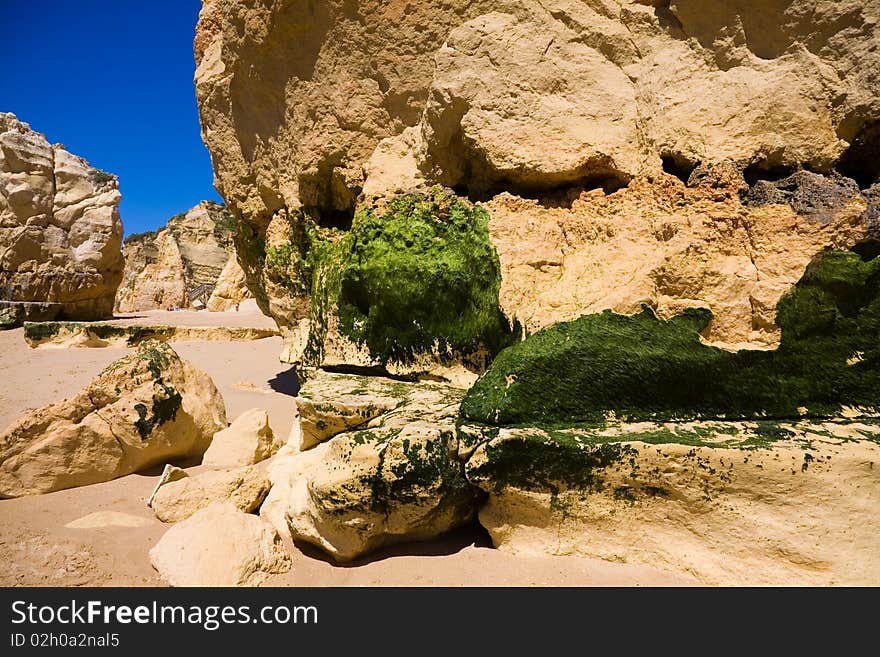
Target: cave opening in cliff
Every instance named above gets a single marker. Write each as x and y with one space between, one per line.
763 170
548 195
333 217
868 249
861 161
678 166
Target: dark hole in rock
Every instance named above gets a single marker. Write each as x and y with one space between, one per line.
552 195
867 250
861 161
332 217
764 171
678 166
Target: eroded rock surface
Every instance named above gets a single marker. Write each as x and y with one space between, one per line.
230 289
728 503
245 487
542 112
60 230
248 440
146 408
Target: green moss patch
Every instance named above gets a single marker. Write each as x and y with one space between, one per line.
545 462
422 276
642 368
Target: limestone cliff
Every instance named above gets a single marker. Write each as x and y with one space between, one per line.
164 268
569 123
60 230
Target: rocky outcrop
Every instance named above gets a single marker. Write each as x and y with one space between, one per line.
146 408
230 289
219 546
678 442
60 230
670 246
724 502
755 504
394 479
641 368
177 500
52 335
543 113
248 440
650 228
164 268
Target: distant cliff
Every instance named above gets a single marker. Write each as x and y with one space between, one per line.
180 264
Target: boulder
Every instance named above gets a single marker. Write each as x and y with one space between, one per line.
248 440
396 479
230 289
177 500
355 401
60 230
219 546
144 409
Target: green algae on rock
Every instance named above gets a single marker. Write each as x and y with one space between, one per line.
419 277
395 477
641 368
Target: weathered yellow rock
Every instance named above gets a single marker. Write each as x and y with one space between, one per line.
490 96
146 408
665 245
177 500
230 289
248 440
59 229
727 509
219 546
63 335
395 479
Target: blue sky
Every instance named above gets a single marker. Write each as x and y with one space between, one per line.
112 81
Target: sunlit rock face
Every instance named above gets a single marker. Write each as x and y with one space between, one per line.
586 126
60 230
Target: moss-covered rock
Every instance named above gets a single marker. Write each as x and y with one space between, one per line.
723 502
395 477
640 367
419 277
147 408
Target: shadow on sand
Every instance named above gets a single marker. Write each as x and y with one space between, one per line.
286 382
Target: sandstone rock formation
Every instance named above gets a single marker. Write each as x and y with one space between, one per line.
163 268
395 479
219 546
650 227
230 288
60 230
177 500
729 504
248 440
515 98
146 408
53 335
